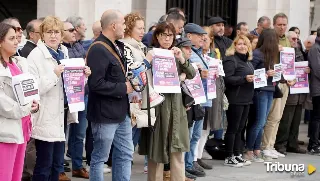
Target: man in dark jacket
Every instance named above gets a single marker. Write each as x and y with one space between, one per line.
221 42
33 36
314 59
108 104
288 132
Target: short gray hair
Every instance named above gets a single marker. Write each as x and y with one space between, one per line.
76 21
291 33
9 20
109 18
30 28
263 19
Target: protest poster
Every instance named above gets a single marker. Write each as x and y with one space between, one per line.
165 74
25 88
74 83
260 79
216 61
195 87
278 72
302 84
287 59
212 77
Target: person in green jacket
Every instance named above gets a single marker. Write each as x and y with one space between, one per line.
170 138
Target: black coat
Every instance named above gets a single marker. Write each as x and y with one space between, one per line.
108 100
222 43
238 90
27 48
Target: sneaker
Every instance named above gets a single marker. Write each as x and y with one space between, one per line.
243 161
204 165
63 177
196 172
280 155
232 162
81 173
106 169
190 176
254 158
145 169
268 153
314 151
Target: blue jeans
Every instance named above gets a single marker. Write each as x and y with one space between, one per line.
120 134
77 133
217 134
195 134
135 135
263 101
49 160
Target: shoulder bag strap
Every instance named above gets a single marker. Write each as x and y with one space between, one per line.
110 50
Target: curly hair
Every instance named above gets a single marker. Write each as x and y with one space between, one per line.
130 22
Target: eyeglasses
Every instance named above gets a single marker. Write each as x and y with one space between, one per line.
55 32
71 30
165 35
18 28
294 39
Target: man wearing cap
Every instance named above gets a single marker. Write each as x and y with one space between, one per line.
195 34
221 42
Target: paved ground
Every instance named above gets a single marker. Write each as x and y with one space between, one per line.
255 172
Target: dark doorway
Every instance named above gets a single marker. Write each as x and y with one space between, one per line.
24 10
199 11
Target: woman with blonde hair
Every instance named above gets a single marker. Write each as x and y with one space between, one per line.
49 123
239 91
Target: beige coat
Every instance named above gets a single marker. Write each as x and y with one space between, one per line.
10 110
48 123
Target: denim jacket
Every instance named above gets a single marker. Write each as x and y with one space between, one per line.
195 58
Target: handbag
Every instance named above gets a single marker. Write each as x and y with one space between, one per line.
187 98
277 92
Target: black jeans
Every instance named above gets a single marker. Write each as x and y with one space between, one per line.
49 161
314 124
237 116
288 132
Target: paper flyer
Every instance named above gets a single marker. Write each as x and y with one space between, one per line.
278 72
196 88
212 77
260 79
165 74
287 59
74 83
302 84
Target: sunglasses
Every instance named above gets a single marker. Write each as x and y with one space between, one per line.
71 30
294 39
18 28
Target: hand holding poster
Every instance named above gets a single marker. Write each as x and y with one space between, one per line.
74 82
302 84
278 71
196 88
287 59
165 74
260 79
216 61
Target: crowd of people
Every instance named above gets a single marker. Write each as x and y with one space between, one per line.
261 124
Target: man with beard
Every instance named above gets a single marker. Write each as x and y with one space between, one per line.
221 42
